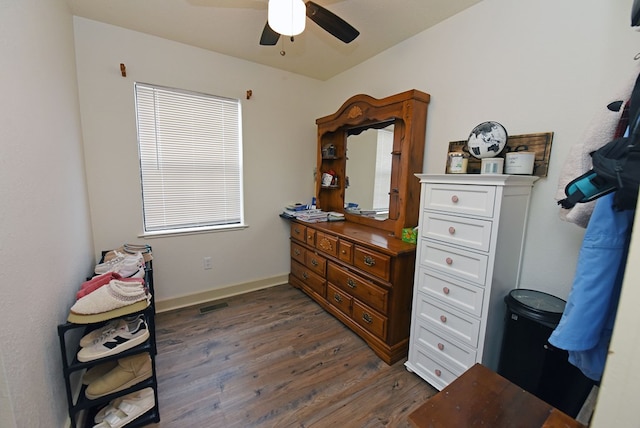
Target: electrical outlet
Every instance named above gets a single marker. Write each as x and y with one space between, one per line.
207 263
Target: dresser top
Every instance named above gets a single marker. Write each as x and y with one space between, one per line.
364 235
479 179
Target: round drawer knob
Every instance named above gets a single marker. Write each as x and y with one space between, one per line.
454 199
438 373
443 318
440 346
449 261
452 230
446 290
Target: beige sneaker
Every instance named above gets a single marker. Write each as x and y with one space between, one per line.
98 371
129 371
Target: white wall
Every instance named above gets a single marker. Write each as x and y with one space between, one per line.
279 153
543 66
45 231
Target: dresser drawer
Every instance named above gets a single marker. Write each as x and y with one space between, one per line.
454 261
298 252
366 291
339 299
430 369
455 323
327 243
474 200
458 294
316 263
310 236
298 232
373 262
459 356
345 251
308 277
467 232
370 320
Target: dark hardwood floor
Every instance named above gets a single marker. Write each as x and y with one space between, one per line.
274 358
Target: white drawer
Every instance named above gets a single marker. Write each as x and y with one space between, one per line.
431 370
458 356
456 324
473 200
467 232
458 294
454 261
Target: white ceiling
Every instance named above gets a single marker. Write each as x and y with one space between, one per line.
233 27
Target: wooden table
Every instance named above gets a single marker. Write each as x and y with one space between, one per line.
483 398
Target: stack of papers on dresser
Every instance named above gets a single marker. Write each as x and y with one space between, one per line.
308 215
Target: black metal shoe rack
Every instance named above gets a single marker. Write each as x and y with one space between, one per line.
82 410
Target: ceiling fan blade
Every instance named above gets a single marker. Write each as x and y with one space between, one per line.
331 22
269 37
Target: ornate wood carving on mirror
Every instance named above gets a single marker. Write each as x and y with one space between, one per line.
407 112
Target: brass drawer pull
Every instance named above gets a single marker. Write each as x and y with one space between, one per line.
443 318
367 318
337 298
351 283
296 231
296 252
369 261
309 237
305 275
314 262
449 261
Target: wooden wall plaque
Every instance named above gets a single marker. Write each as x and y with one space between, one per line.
539 143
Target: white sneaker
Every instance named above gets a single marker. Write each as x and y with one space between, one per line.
123 263
108 266
103 332
125 336
125 409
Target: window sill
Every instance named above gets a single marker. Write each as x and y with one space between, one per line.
194 231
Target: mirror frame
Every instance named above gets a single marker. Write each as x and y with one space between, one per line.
408 112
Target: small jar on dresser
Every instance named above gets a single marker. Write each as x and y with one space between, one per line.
469 253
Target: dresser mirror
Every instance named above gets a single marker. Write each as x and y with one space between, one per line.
399 121
368 172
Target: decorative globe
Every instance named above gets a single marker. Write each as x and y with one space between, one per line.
487 140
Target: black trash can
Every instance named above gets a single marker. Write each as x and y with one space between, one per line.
530 361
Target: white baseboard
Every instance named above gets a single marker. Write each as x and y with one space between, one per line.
220 293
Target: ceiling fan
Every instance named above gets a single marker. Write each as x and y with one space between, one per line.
327 20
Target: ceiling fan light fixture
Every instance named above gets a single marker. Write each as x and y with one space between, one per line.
287 17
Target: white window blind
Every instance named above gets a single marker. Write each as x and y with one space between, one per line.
190 147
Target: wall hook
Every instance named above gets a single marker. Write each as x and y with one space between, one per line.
249 94
123 70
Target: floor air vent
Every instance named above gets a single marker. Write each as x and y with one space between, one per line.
207 309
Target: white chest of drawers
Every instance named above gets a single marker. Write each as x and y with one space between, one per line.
469 251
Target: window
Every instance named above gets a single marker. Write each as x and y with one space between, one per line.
190 147
382 180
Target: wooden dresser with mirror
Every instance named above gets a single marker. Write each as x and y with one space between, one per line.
360 270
